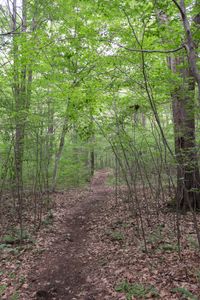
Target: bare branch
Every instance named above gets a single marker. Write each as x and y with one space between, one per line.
148 51
179 8
132 28
11 32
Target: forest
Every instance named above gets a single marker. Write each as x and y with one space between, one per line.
99 149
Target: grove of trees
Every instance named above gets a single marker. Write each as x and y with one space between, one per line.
89 84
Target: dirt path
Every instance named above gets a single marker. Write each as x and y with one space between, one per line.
94 246
62 271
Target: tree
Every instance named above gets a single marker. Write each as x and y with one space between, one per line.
183 106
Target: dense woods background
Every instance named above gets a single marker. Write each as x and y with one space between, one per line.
87 85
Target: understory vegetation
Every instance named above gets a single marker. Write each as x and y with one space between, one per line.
92 85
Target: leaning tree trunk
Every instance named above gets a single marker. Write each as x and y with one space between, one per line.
188 178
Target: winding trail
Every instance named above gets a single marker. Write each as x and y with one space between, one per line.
61 272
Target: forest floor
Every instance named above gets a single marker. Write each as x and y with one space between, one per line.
90 249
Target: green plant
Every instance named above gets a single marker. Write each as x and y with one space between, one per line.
3 287
49 219
168 247
13 251
4 246
184 292
137 290
15 296
12 275
192 242
22 279
116 236
198 275
9 239
15 237
156 236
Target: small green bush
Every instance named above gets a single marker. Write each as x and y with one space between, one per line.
184 292
137 290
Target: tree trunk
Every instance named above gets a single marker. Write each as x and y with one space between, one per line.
59 153
92 139
92 160
183 106
190 44
19 132
188 177
22 80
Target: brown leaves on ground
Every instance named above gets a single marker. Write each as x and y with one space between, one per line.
95 246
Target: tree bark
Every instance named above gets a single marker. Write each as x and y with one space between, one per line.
183 104
190 44
183 107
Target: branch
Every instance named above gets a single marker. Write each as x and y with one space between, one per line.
131 26
148 51
11 32
179 8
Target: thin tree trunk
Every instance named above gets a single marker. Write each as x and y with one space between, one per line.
19 132
59 153
92 160
22 80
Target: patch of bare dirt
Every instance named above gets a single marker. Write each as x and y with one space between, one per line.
61 264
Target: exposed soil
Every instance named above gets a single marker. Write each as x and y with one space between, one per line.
62 271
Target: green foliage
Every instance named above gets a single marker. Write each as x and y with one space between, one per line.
4 246
3 287
49 219
9 239
115 235
15 296
22 279
74 166
137 290
15 236
185 292
198 275
12 275
168 247
193 243
156 236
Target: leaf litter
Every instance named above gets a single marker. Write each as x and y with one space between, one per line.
94 250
